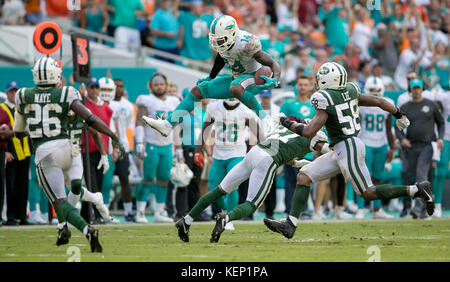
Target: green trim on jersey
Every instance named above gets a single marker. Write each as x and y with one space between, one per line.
76 128
342 107
45 111
285 145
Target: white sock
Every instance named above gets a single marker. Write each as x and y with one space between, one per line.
61 225
141 206
413 190
73 199
160 207
85 230
89 196
294 220
127 207
227 219
188 219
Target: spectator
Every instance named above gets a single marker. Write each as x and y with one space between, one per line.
165 28
287 13
194 29
377 70
362 31
124 18
94 17
441 64
104 112
173 90
384 46
409 59
238 11
13 12
364 71
299 107
58 12
436 35
351 57
336 23
423 115
273 46
307 10
17 166
33 12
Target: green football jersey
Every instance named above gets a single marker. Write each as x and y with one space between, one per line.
45 111
342 107
76 127
285 145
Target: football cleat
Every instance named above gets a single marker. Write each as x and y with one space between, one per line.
63 235
218 228
130 217
285 227
161 125
162 217
425 194
437 211
229 226
92 237
140 218
183 230
113 220
381 214
360 214
101 207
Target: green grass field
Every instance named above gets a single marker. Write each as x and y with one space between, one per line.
398 240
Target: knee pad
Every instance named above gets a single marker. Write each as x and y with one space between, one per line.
76 186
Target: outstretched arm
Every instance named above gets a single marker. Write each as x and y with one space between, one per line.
309 130
97 140
373 101
266 60
91 119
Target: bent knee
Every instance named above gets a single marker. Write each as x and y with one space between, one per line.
196 92
303 179
237 91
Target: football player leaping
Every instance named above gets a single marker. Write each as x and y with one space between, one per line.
259 166
44 109
337 103
242 52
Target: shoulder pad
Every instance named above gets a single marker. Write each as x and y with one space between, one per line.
319 101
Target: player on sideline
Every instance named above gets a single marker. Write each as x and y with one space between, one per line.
259 166
376 134
156 150
229 118
242 52
44 109
337 107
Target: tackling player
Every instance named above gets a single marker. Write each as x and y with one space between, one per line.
241 51
156 150
230 118
259 166
44 109
337 107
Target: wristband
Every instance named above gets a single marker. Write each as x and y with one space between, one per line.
299 129
91 119
398 114
286 122
139 134
115 138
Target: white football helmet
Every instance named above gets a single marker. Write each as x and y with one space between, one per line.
374 86
223 33
107 89
231 101
331 75
180 175
46 71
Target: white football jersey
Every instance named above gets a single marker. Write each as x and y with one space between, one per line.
373 125
123 113
240 57
229 129
444 98
161 108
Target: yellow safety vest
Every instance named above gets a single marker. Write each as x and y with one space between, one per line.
21 153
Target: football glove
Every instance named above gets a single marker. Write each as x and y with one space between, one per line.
270 83
319 137
116 144
140 150
402 123
103 163
199 159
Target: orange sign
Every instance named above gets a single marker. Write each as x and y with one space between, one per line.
47 37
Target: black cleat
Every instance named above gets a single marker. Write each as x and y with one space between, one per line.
285 227
183 229
219 228
425 194
63 235
92 237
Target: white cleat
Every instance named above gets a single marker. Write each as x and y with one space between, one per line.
140 218
381 214
395 205
101 207
352 206
35 218
360 214
161 125
342 215
317 216
113 220
161 218
229 226
437 211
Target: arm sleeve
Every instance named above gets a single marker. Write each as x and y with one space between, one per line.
318 101
439 121
219 63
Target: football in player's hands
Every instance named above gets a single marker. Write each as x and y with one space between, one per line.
265 71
